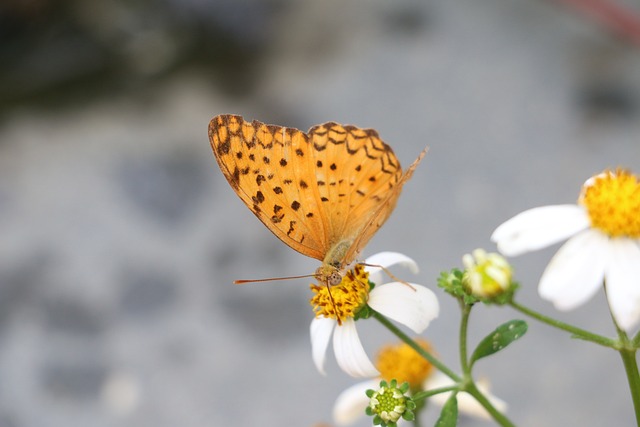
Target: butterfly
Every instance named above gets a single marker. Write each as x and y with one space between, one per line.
323 193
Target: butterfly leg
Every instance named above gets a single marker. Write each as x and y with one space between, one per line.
389 273
333 303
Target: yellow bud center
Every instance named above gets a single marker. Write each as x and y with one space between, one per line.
344 300
404 364
612 200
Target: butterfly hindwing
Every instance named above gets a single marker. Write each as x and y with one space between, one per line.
378 217
357 173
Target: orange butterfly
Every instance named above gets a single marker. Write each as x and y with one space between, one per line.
324 193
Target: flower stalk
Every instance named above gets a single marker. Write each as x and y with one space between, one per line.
574 330
465 384
628 355
411 343
626 347
468 384
464 326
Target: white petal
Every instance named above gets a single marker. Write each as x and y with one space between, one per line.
352 402
622 277
414 306
320 331
538 228
576 272
467 404
350 353
386 260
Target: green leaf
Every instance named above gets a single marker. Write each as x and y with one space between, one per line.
504 335
449 413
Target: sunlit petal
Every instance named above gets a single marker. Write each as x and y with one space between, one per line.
352 402
386 260
412 305
538 228
350 354
321 328
576 272
623 282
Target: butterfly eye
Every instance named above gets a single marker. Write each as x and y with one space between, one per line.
335 278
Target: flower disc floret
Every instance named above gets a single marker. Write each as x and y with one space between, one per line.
342 301
389 403
612 201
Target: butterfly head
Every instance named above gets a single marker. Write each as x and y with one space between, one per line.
329 275
340 296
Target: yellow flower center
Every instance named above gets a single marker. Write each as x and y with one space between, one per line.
404 364
612 200
344 300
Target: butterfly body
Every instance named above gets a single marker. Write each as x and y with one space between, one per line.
324 193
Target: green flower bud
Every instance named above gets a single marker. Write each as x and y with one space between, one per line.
486 275
389 403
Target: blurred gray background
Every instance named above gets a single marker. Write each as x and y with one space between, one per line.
120 237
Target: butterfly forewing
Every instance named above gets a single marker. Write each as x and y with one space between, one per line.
266 167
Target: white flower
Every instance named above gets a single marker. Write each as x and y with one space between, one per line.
351 403
410 304
603 246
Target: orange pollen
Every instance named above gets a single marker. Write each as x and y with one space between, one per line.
346 298
612 201
404 364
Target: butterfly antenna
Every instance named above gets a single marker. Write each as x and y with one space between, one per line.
389 273
271 279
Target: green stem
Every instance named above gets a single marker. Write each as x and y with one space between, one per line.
498 416
464 326
575 331
631 368
411 343
628 355
428 393
469 386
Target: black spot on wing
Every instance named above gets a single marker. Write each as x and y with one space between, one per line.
258 198
292 227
